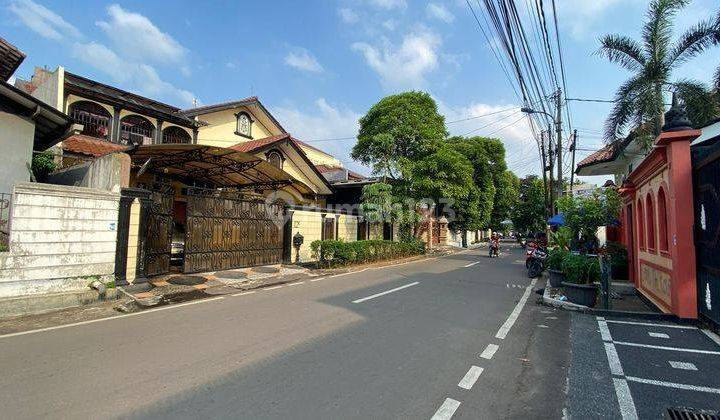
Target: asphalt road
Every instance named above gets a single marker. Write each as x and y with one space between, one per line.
459 336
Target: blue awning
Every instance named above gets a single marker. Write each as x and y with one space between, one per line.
557 220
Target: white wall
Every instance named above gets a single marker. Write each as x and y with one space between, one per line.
16 144
61 238
309 224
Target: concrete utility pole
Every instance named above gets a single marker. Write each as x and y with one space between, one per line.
544 170
573 146
551 166
558 128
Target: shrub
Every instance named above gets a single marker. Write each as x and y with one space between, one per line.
618 254
593 270
575 268
43 164
555 258
3 248
338 252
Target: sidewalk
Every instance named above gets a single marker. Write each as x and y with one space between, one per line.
634 368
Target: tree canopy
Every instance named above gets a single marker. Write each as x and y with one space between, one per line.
528 215
400 127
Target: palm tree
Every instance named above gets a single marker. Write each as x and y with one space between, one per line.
640 101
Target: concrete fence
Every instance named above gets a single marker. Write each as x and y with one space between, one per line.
309 223
61 239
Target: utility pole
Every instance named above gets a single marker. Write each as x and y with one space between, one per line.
558 128
544 169
551 186
573 146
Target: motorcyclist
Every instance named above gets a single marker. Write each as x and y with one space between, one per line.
494 245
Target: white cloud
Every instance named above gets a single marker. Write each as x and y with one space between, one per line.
348 15
511 127
584 17
231 65
390 24
323 121
136 37
389 4
42 20
406 65
137 77
440 12
301 59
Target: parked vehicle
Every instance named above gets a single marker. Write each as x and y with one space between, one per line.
535 259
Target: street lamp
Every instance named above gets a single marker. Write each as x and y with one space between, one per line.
533 111
558 124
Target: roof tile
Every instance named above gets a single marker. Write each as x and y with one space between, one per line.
91 146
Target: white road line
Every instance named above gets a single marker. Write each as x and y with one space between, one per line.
613 360
92 321
682 365
674 385
272 288
542 326
470 377
471 264
505 329
446 410
489 351
657 335
550 317
652 324
244 293
297 283
318 279
385 292
622 391
604 331
651 346
625 400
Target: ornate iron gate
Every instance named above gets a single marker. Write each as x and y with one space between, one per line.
159 233
706 181
224 233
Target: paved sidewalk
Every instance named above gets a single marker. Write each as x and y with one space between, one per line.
639 369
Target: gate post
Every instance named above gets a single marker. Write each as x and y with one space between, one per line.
144 196
123 232
287 236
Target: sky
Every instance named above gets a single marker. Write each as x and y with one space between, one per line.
319 65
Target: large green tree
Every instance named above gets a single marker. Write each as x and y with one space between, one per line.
528 215
639 102
506 197
474 150
399 128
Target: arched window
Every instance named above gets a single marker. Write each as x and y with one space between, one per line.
663 244
244 125
95 119
135 129
175 135
275 159
650 221
640 225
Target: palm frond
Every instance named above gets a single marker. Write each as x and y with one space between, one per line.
624 110
717 80
658 28
699 101
622 50
694 41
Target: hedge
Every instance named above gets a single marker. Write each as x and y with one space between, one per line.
338 252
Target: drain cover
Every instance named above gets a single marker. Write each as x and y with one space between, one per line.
187 280
685 413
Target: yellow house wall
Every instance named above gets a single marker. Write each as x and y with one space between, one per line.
309 224
74 98
124 113
221 127
320 158
167 124
133 236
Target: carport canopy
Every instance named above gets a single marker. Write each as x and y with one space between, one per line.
219 166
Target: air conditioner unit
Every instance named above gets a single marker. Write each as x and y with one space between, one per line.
140 139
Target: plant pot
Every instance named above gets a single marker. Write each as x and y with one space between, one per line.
619 272
582 294
557 277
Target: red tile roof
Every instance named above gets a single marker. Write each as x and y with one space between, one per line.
602 155
253 145
90 146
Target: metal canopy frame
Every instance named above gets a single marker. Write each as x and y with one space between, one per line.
221 167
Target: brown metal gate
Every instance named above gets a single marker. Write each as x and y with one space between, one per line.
159 233
224 233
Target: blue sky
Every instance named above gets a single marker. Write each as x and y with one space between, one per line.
320 64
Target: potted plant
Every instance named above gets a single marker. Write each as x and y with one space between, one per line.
580 274
554 263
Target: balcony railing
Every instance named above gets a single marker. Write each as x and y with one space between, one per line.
135 134
176 138
93 125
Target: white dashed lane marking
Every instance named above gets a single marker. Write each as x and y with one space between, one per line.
385 292
471 264
489 351
446 410
470 377
658 335
272 288
683 365
505 329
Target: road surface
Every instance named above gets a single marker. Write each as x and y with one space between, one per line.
458 336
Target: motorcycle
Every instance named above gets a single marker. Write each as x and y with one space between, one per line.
494 249
535 257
